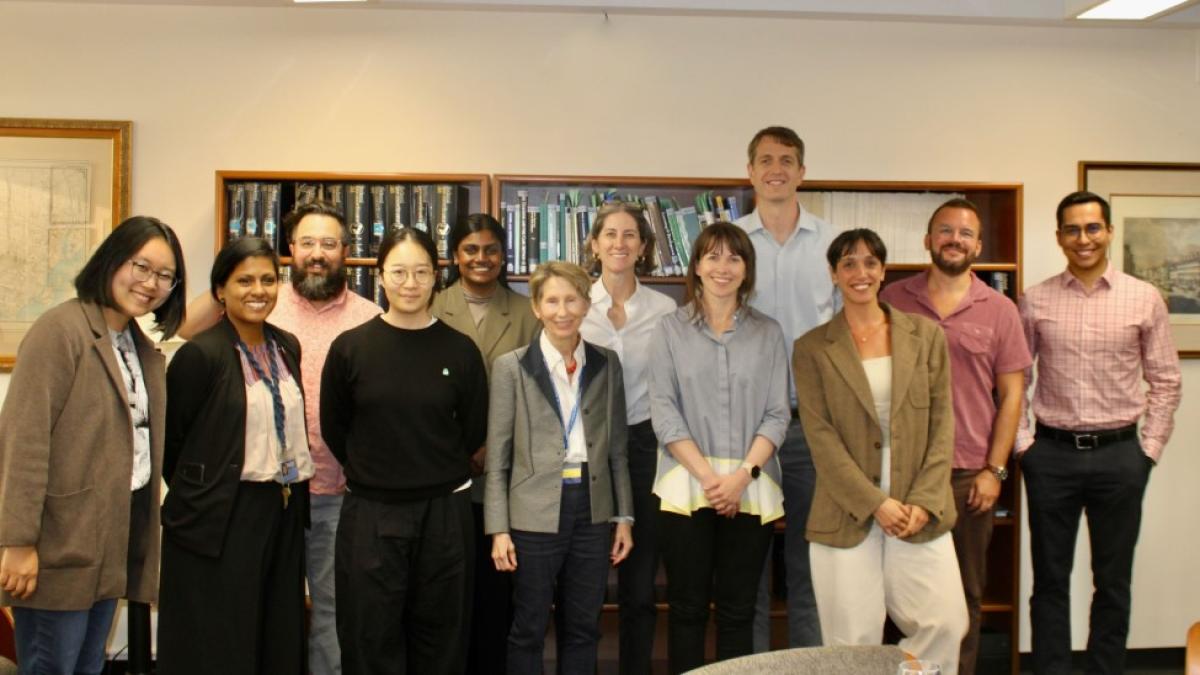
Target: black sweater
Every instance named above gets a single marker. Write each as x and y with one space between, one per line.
403 410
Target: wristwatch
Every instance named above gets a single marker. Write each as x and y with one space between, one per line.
1000 472
752 470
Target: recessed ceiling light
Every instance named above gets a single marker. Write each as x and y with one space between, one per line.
1129 9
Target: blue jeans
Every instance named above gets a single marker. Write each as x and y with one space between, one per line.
799 479
51 642
324 657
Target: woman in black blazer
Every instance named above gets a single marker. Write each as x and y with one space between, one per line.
237 465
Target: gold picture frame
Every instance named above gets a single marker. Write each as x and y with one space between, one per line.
64 184
1152 195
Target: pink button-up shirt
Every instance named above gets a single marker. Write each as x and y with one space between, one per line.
985 340
316 329
1093 348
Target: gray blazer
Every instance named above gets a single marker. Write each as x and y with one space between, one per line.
525 453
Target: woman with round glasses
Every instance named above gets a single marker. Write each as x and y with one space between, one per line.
479 304
403 408
81 442
237 464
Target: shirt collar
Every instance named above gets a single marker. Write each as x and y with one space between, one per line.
336 301
554 359
804 220
600 296
1106 280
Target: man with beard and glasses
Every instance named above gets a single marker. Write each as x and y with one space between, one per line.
316 308
987 351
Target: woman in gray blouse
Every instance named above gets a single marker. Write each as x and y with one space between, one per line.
718 396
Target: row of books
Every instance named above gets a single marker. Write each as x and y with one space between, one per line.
559 226
370 209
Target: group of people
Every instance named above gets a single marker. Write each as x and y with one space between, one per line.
444 472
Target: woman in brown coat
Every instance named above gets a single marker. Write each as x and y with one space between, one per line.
873 387
81 439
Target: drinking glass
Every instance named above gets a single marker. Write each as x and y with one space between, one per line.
918 667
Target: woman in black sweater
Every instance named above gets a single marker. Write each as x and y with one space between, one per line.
403 407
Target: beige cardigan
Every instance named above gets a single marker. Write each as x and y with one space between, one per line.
838 414
66 459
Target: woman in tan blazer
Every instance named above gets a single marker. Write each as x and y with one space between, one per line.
81 443
557 476
479 304
873 387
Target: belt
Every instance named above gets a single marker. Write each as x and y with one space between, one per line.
1088 440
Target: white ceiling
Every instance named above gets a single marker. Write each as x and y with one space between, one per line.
967 11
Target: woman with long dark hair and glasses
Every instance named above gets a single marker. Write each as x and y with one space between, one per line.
81 443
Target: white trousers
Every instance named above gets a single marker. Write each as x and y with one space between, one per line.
918 585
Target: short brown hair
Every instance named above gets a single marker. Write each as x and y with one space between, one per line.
569 272
646 263
719 235
955 203
783 135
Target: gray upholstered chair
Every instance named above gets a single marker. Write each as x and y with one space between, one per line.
839 660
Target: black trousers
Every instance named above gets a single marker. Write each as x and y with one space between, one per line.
1107 484
403 576
492 613
711 558
241 613
636 574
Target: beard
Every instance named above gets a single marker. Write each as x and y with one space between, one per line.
952 268
318 287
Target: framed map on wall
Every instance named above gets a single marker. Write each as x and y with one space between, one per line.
64 184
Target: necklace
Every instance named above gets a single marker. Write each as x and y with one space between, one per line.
863 337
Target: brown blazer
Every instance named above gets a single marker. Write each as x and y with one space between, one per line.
838 414
510 322
66 459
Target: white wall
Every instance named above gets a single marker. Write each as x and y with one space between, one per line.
395 90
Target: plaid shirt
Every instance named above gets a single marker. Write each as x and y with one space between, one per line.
1090 347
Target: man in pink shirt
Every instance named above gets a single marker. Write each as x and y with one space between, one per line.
987 351
316 307
1096 333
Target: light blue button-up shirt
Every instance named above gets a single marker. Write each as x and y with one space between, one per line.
792 283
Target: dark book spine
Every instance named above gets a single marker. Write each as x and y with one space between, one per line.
253 210
378 217
237 207
271 214
356 220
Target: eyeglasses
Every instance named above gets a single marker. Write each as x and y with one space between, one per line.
398 276
162 278
1092 230
308 244
947 232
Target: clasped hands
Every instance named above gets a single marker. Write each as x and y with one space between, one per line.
725 492
900 520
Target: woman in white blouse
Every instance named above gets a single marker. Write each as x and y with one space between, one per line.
624 317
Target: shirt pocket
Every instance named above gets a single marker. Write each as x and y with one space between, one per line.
976 339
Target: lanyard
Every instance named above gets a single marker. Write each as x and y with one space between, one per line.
570 423
272 383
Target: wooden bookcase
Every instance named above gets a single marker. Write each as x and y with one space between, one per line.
476 186
1001 208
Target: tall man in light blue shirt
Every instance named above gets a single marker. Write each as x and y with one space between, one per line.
793 286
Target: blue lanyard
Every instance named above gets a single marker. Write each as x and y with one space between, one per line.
570 424
272 383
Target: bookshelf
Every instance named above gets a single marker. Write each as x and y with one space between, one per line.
899 211
255 202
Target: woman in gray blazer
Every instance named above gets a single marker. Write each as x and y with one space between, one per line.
557 475
81 443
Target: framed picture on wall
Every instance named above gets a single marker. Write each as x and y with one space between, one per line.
1156 233
64 184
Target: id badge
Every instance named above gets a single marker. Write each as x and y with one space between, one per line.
288 471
